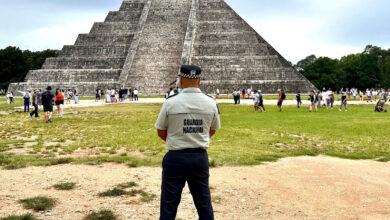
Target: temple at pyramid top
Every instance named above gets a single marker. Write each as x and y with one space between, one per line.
143 44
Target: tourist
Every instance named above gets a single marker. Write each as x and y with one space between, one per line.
281 98
187 160
236 97
35 103
76 97
59 101
369 95
361 96
331 98
318 99
108 96
98 95
26 99
47 102
325 99
131 95
243 92
135 94
256 100
299 99
344 101
312 100
11 98
112 96
261 101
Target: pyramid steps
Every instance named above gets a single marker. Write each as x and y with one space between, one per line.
144 43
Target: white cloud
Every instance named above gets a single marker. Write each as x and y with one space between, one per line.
54 37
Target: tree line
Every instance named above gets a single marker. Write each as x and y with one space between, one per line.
366 70
15 64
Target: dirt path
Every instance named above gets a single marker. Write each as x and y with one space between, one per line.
293 188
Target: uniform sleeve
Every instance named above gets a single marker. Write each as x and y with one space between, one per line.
216 122
162 121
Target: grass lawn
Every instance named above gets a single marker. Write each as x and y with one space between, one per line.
126 134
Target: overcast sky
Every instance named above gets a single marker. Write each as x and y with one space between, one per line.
296 28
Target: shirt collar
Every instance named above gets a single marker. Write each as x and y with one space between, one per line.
191 90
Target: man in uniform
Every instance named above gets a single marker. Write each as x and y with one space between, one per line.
186 123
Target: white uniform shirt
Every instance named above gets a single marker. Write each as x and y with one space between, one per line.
188 118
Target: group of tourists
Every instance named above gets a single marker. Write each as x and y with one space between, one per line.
47 99
317 99
115 96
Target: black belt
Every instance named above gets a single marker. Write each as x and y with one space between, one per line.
189 150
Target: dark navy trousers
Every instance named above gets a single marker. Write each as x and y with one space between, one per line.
179 167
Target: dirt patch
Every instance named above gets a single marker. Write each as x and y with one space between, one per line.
293 188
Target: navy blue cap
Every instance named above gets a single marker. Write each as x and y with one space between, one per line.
190 71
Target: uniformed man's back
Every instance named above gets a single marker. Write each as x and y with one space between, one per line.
186 122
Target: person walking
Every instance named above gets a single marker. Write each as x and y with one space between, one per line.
135 94
312 100
47 102
27 99
59 101
186 122
35 103
281 98
261 101
236 97
343 101
256 100
299 99
76 97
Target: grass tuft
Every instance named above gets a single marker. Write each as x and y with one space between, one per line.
115 192
64 186
20 217
101 215
39 203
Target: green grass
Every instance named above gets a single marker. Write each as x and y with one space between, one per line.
20 217
115 192
65 186
38 203
101 215
246 137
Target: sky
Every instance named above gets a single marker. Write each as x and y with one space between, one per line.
296 28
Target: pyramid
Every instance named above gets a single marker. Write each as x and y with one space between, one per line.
143 44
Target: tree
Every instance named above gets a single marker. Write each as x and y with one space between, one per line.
15 64
369 69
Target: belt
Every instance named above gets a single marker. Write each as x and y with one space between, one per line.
189 150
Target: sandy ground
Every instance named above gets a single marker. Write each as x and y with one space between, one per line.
293 188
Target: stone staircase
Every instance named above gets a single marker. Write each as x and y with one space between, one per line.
158 55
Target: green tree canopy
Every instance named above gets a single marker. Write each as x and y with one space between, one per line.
15 63
369 69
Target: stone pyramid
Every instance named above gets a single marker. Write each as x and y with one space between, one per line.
144 43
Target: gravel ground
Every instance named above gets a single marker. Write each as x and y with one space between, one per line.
292 188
